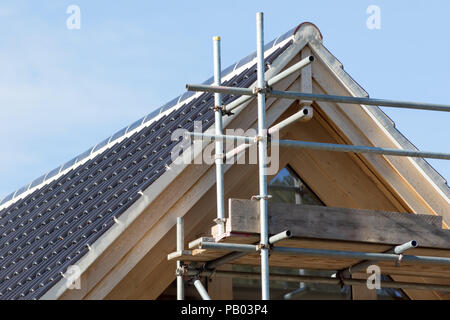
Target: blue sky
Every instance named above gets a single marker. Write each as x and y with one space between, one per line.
62 91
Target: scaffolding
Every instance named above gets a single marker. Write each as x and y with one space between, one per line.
263 90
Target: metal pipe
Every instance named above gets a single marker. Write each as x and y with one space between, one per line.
322 97
180 246
211 136
229 246
303 115
220 89
324 280
357 100
361 149
236 103
361 255
333 147
219 143
262 156
288 296
280 236
347 272
230 154
329 253
180 233
201 289
406 246
286 73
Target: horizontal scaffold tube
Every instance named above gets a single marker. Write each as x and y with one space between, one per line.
361 255
332 146
294 68
329 253
303 115
324 280
229 246
211 136
400 249
280 237
362 149
238 254
322 97
284 74
220 89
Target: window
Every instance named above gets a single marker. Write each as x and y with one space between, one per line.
286 186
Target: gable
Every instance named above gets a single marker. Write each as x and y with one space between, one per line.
371 184
80 214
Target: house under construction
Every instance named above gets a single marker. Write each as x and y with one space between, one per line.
345 195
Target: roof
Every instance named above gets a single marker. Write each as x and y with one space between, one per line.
54 221
50 226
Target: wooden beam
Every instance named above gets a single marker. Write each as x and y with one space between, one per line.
318 222
306 77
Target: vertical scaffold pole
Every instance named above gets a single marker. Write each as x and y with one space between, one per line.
219 143
180 247
262 156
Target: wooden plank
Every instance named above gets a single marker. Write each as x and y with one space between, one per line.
306 77
320 222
